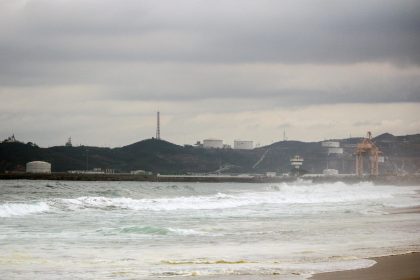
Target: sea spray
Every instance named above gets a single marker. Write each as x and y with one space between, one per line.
145 230
21 209
281 194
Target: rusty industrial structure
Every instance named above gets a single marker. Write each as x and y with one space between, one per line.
367 148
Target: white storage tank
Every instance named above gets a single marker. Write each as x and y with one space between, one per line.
331 144
213 143
38 167
243 144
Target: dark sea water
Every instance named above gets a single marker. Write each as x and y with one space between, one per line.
140 230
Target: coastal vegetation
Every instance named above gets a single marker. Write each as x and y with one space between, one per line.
402 156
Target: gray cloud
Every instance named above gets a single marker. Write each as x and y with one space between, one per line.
367 124
281 85
73 63
212 31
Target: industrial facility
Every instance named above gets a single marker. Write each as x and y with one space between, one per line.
333 147
158 125
367 148
243 145
334 157
10 139
218 144
212 144
68 143
38 167
296 162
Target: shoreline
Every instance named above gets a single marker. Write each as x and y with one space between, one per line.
393 267
349 179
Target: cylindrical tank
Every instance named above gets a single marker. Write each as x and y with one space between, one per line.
38 167
213 143
243 145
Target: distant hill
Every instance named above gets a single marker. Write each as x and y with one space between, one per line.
386 137
402 155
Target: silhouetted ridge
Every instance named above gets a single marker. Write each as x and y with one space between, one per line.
402 154
152 145
385 137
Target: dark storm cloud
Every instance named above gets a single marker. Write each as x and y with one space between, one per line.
273 85
212 31
90 67
125 47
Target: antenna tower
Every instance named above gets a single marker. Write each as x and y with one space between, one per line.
158 126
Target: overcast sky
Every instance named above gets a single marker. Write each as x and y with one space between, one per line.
99 70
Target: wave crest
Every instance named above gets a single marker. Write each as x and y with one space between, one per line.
280 194
150 230
21 209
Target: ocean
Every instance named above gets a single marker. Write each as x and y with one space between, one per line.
151 230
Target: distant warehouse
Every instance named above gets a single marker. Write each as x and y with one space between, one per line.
243 145
38 167
213 143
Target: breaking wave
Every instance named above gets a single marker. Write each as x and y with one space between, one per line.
21 209
150 230
278 194
284 194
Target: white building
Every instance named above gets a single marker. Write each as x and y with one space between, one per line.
38 167
335 150
331 144
140 172
243 145
270 174
213 143
330 172
296 161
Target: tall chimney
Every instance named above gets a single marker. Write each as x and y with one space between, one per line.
158 126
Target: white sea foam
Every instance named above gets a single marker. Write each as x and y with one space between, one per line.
152 230
186 232
158 204
279 194
21 209
205 267
331 266
283 231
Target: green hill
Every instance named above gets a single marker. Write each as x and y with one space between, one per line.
402 154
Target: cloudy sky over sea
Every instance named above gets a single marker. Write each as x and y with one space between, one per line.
99 70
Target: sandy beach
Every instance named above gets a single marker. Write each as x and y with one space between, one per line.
406 210
399 267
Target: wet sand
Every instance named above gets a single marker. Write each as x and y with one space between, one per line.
406 210
398 267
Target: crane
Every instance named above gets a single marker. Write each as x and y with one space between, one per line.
367 147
